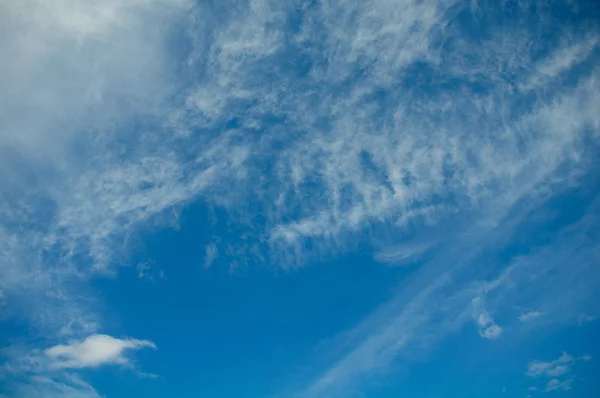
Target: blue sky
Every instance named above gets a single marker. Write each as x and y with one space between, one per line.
305 199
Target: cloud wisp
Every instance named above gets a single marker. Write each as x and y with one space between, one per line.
558 372
555 368
530 315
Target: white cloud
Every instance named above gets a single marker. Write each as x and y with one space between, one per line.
556 384
404 254
364 174
79 72
488 329
94 351
491 332
434 305
527 316
540 368
413 318
562 60
212 252
31 372
97 140
404 177
556 368
73 58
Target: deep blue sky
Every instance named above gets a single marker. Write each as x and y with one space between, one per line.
305 199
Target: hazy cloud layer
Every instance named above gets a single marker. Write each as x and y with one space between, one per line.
310 124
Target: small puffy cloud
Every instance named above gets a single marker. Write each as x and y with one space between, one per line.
527 316
491 332
94 351
488 329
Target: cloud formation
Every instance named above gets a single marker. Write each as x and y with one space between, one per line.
555 368
556 384
361 122
488 329
94 351
556 371
52 372
80 73
527 316
66 386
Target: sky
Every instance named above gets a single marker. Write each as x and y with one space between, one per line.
303 199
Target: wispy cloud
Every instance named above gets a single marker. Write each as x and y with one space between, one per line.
404 254
147 271
586 318
383 339
555 368
80 73
212 252
567 56
377 337
436 303
556 384
527 316
78 69
66 386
